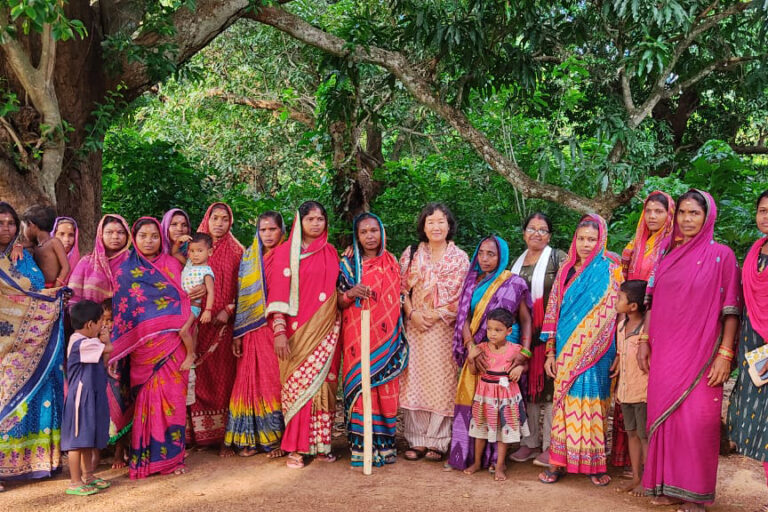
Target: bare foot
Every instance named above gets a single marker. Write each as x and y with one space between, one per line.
2 489
276 454
663 501
628 487
474 468
179 471
248 452
501 473
226 451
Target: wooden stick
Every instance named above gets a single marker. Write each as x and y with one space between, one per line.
365 342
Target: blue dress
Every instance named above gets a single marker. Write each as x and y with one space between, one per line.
86 410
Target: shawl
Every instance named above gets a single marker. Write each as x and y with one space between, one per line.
73 256
29 336
225 262
389 350
756 290
499 288
693 287
581 314
166 225
644 250
148 300
93 277
298 290
252 289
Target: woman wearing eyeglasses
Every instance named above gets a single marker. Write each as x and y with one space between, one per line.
538 266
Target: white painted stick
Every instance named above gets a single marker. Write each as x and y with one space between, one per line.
365 367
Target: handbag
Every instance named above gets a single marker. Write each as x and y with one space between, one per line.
756 361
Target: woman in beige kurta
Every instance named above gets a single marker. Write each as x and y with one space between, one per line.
432 276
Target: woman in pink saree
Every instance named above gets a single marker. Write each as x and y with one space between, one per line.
695 302
149 308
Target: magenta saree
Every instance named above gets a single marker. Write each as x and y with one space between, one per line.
693 288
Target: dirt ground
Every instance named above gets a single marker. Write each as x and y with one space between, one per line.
258 483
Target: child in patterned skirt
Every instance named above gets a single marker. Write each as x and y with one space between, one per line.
498 414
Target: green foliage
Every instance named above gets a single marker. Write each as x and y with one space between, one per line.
33 15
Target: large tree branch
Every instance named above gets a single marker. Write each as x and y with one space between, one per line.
276 107
725 64
750 150
423 91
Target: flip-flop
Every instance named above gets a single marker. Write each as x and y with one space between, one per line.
328 457
437 457
83 490
551 477
99 483
295 461
414 454
595 479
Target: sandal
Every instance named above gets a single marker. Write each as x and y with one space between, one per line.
328 457
434 455
414 454
596 479
550 477
99 483
83 490
295 461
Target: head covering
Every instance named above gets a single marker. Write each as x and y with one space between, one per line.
645 249
756 289
73 256
148 300
352 269
92 277
165 225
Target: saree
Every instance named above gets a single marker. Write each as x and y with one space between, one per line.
694 286
581 316
73 256
389 349
149 309
302 289
255 414
499 289
215 373
638 259
165 225
31 377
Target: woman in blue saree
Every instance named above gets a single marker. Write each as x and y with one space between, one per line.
31 358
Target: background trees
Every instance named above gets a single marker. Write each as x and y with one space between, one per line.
387 104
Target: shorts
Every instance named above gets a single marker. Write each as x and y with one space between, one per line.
635 418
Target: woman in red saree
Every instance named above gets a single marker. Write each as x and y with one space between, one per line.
255 416
651 240
370 279
695 302
149 308
306 323
216 366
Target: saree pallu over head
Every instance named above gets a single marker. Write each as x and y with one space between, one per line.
166 225
73 256
31 380
581 316
756 290
499 289
302 286
148 300
645 249
389 350
93 277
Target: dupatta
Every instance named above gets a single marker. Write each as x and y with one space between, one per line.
581 314
389 349
165 225
645 249
756 290
148 300
93 277
73 256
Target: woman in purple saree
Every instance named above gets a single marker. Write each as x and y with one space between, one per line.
696 299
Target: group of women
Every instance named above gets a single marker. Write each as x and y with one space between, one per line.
288 318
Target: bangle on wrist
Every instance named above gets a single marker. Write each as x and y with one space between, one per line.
526 353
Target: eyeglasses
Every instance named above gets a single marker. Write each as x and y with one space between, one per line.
531 231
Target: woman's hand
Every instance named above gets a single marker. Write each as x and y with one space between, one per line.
222 317
197 292
430 318
549 367
417 320
182 239
188 362
644 357
516 372
519 360
17 253
359 291
112 370
614 369
237 347
348 252
282 349
719 372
